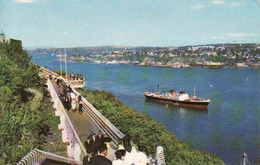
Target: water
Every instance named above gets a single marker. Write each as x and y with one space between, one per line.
231 125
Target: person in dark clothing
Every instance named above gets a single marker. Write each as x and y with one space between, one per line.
93 144
66 103
101 159
127 143
58 82
107 139
85 160
69 89
87 145
80 104
99 138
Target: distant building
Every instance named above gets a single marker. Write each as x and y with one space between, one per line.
242 65
2 37
16 43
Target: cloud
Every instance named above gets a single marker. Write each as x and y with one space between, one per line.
25 1
65 32
241 35
218 37
233 35
198 7
236 3
218 2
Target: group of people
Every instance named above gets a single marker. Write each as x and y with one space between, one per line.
98 147
75 77
70 100
99 152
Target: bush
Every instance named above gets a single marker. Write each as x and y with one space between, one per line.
146 131
23 116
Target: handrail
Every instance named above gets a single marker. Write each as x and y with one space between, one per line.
103 123
37 157
71 82
47 70
67 117
159 157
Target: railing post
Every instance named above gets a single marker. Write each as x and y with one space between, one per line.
160 156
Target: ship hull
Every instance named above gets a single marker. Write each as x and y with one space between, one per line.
197 104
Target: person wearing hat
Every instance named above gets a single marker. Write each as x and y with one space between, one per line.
119 154
101 159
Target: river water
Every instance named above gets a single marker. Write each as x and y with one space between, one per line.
229 127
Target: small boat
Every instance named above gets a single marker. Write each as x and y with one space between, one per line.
180 98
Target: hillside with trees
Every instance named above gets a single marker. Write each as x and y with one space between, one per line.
146 131
26 112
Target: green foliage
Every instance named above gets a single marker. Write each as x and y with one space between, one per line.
141 57
146 131
23 119
58 72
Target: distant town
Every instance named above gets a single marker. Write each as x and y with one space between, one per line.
211 55
214 55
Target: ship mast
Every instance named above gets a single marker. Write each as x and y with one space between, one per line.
60 64
66 64
194 92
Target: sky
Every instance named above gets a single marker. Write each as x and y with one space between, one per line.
80 23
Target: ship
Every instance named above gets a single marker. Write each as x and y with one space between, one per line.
178 98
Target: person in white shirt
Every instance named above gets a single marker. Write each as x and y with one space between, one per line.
130 150
141 158
73 102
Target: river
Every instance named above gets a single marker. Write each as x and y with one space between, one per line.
229 127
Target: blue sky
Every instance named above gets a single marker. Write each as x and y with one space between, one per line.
73 23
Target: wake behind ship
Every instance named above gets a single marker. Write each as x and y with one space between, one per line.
181 98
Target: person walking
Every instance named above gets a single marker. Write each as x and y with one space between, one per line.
58 82
68 101
73 101
80 104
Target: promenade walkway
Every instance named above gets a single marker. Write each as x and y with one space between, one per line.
76 127
82 123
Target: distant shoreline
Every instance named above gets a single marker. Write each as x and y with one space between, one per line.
166 66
